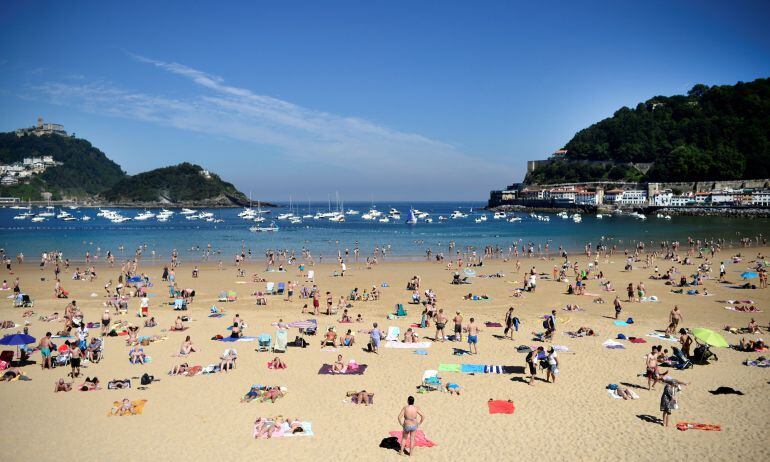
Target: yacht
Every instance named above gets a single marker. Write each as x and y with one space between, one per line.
458 214
514 219
384 220
352 212
146 215
38 219
499 215
599 216
337 218
577 218
62 215
187 211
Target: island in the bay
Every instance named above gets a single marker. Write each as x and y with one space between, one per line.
44 163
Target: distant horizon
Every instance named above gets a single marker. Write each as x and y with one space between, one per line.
398 100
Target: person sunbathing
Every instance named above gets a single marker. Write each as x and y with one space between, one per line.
753 327
61 385
361 397
624 392
453 388
178 325
150 322
349 339
330 339
136 355
180 369
133 336
751 345
90 384
228 360
410 336
271 394
126 407
11 374
586 332
251 395
571 307
187 347
345 317
264 428
235 331
276 363
50 317
339 366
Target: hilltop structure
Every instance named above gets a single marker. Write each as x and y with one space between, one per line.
42 129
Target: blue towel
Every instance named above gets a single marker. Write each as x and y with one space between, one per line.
472 368
621 323
420 352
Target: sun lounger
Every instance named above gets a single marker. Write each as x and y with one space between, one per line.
269 288
281 340
394 332
281 288
222 296
264 342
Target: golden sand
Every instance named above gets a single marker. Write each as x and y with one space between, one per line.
200 417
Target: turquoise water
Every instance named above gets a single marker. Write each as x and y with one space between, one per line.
322 237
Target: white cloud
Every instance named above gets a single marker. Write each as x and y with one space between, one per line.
300 133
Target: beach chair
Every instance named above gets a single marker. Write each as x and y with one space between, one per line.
394 332
281 288
281 340
269 288
263 342
309 330
180 304
311 275
222 296
683 362
62 359
430 380
232 296
400 311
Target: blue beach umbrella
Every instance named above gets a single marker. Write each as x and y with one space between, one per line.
17 339
749 275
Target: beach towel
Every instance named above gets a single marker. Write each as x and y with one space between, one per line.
307 430
242 339
420 352
449 368
560 348
472 368
138 407
651 298
684 426
419 438
732 308
637 340
216 315
493 369
758 363
402 345
660 336
493 324
621 323
326 369
393 333
500 407
614 395
613 345
740 302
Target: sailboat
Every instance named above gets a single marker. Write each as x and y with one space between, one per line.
264 229
412 219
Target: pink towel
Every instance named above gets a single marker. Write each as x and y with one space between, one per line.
419 439
500 407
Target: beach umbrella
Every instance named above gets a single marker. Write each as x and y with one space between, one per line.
17 339
710 337
749 275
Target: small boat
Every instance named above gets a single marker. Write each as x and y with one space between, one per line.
187 211
458 214
599 216
514 219
499 215
37 219
352 212
384 220
264 229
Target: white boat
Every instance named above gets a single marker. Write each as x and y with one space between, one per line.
285 216
429 220
62 214
384 220
394 214
120 219
337 218
264 229
599 216
499 215
86 218
577 218
69 218
258 219
295 220
458 214
187 211
146 215
352 212
37 219
482 218
514 219
667 217
441 218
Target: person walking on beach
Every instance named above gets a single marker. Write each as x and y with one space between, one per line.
553 366
618 307
675 317
668 401
473 336
410 418
511 323
651 364
531 360
440 323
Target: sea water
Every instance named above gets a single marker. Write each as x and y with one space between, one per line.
322 237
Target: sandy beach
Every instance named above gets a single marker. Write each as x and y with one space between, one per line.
200 417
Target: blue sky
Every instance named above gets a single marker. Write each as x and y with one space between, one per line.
392 100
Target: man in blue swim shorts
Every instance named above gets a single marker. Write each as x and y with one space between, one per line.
473 336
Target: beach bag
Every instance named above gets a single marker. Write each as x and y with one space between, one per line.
300 342
146 379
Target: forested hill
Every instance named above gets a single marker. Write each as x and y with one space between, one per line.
712 133
181 184
85 170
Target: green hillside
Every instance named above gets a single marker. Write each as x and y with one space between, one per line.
712 133
86 170
178 185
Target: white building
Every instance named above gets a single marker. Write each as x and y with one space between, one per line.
761 197
587 198
684 200
632 197
722 196
662 198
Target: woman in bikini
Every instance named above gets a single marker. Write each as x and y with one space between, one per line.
348 340
187 347
338 367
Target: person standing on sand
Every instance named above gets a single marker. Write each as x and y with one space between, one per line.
668 401
510 325
675 317
410 418
618 307
458 330
553 366
473 336
532 364
651 364
440 323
